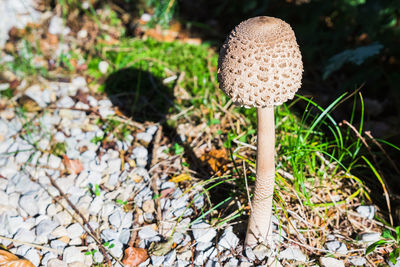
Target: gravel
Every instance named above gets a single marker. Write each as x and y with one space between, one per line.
114 192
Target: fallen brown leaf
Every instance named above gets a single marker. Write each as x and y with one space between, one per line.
134 256
8 259
73 166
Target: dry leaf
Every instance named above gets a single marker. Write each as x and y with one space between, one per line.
180 178
8 259
73 166
134 256
216 158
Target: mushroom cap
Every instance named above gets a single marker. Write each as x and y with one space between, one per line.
260 64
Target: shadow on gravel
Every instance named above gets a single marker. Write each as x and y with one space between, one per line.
139 94
143 97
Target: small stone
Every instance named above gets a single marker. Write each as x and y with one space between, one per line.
73 254
366 211
63 218
202 246
358 261
330 262
233 262
184 256
116 250
56 263
115 218
45 227
144 138
109 235
157 260
58 244
170 258
140 152
103 66
77 264
25 235
260 251
292 253
47 257
148 206
228 239
147 233
75 230
203 232
98 257
124 236
33 256
114 165
96 205
250 254
29 205
59 232
370 237
65 102
336 246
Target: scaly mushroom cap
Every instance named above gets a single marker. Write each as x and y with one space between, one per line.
260 63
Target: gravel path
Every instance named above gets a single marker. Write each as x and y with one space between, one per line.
116 198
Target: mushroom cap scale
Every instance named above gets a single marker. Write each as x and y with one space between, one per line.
260 63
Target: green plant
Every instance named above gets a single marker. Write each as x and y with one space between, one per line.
391 239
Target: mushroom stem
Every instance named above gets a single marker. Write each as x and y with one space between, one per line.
259 227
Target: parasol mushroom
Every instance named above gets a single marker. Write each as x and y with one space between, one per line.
260 66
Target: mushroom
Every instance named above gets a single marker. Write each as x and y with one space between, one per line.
260 66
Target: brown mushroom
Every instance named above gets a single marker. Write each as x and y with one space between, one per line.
260 66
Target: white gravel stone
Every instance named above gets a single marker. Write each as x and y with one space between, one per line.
157 260
96 205
292 253
45 227
114 165
115 218
370 237
72 254
140 152
47 257
116 250
59 231
29 205
103 66
33 256
331 262
56 26
144 137
65 102
336 246
358 261
149 234
261 251
109 235
56 263
25 235
228 239
203 232
54 162
366 211
75 230
57 245
170 258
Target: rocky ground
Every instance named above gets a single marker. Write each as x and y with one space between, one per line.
83 185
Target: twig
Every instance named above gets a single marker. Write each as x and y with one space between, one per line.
93 233
31 244
368 133
386 189
154 186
